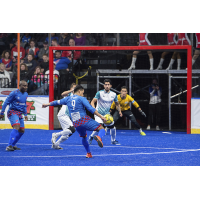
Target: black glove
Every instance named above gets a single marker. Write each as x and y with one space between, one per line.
142 113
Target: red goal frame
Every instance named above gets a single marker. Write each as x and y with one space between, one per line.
138 48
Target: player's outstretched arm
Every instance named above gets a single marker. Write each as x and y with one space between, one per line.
55 103
141 112
94 100
99 115
118 108
64 94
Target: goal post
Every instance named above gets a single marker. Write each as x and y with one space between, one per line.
188 48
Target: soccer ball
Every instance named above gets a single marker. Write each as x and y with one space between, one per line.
109 119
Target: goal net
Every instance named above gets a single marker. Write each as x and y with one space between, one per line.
164 70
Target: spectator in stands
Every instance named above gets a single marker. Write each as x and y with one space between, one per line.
6 59
24 72
68 54
14 52
45 63
79 39
53 36
155 103
64 39
26 38
54 43
55 73
44 50
90 39
32 49
61 62
4 76
38 77
12 38
30 63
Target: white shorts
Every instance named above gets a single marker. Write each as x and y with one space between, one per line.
65 122
100 121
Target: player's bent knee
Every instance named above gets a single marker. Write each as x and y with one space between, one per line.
72 129
99 128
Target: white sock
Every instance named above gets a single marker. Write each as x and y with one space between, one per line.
178 63
161 62
64 132
65 135
61 139
140 130
113 134
171 63
193 61
151 62
133 61
93 133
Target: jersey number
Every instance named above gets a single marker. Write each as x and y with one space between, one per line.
73 104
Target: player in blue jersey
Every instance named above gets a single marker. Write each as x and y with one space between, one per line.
17 106
81 121
104 100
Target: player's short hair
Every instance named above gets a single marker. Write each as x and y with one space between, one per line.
107 80
77 88
72 85
22 81
124 87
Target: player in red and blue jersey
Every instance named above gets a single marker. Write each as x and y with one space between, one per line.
81 121
17 106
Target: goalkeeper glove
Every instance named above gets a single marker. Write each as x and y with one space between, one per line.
142 113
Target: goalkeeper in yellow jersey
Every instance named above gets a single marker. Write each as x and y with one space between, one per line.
124 99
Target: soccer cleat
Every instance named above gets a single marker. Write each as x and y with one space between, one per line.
142 133
90 139
148 127
16 148
115 142
56 147
157 128
9 148
54 138
99 141
89 155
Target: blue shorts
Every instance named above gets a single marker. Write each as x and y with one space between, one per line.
88 124
16 118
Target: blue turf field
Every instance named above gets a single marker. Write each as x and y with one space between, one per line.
156 149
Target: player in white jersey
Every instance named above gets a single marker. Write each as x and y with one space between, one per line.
65 122
104 99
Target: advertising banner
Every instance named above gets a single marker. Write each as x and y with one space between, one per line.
195 115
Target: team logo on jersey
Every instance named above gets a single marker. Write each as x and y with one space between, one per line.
30 106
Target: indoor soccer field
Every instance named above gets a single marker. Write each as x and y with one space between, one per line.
157 148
